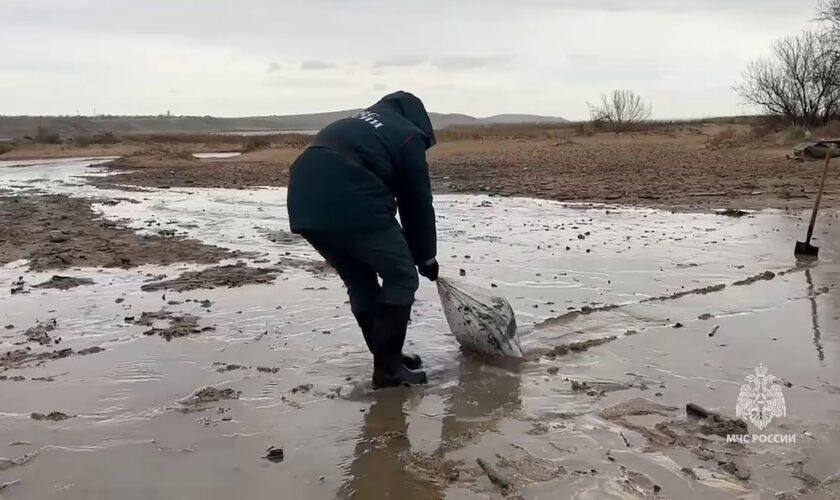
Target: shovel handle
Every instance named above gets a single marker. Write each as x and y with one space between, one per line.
819 197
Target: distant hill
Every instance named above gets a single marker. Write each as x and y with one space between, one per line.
20 126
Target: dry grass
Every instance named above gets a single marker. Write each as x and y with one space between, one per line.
580 129
794 133
726 138
505 131
831 130
87 140
256 141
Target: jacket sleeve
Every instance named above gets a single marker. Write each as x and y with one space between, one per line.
413 191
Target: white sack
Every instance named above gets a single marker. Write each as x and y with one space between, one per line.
480 321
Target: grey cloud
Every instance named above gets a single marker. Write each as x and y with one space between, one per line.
272 67
315 65
468 62
212 20
400 61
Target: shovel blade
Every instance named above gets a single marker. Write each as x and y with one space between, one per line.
804 249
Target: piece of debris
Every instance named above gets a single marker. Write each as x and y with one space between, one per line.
230 276
715 423
684 265
579 386
537 429
40 332
229 367
705 316
303 388
8 463
18 286
266 369
678 325
90 350
179 326
462 272
8 484
275 455
494 475
737 469
577 347
765 276
53 416
194 402
714 331
636 407
733 212
61 353
688 471
64 282
552 370
210 394
9 327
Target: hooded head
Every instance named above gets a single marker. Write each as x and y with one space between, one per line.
411 108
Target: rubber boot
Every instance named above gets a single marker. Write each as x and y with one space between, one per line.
365 320
389 329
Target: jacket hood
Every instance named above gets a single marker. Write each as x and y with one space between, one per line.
411 108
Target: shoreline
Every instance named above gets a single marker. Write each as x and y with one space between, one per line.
681 170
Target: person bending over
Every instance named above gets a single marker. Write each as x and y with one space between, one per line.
344 193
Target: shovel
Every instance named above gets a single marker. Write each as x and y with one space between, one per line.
805 248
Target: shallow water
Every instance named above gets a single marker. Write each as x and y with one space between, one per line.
342 439
208 156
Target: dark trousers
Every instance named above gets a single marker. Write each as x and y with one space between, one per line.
360 259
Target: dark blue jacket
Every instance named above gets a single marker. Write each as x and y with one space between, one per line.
359 171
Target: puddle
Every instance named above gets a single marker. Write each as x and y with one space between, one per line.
208 156
575 272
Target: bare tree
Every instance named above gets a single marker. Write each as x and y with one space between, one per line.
619 108
800 81
829 11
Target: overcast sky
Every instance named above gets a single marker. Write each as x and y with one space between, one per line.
481 57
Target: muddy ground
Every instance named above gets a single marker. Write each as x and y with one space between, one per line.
684 167
59 232
169 375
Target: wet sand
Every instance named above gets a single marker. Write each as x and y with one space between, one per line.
58 232
598 289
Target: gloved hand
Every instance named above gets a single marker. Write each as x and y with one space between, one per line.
429 269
